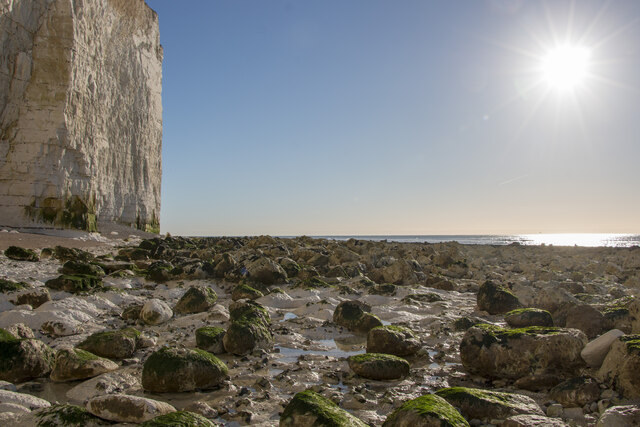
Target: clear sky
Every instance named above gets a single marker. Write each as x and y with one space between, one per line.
350 117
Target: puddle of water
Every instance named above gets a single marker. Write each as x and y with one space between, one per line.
385 322
289 316
334 349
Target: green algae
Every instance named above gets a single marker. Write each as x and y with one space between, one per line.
66 415
178 419
309 403
429 405
11 286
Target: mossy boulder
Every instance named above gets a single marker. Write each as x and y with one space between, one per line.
576 392
264 271
244 291
210 338
377 366
23 359
197 299
487 405
309 409
74 284
66 254
177 370
81 268
179 419
224 264
496 299
118 344
17 253
67 416
249 311
159 271
389 339
621 366
355 316
76 364
290 267
523 317
11 286
426 411
495 352
249 329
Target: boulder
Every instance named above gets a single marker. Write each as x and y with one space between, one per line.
621 366
620 416
119 344
81 268
496 352
210 338
17 253
245 292
23 359
155 312
523 317
426 411
396 340
225 263
177 370
123 408
595 351
376 366
35 298
109 383
533 421
11 286
66 415
74 284
308 408
586 318
576 392
179 418
265 271
496 299
197 299
249 328
355 316
22 399
13 408
487 404
75 364
20 330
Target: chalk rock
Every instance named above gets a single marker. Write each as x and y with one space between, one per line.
595 351
75 364
109 383
81 120
621 366
620 416
155 312
22 399
127 409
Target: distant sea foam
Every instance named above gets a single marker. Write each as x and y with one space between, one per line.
567 239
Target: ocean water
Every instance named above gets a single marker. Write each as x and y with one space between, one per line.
559 239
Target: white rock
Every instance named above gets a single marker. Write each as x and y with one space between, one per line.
34 319
6 385
62 328
127 409
155 312
620 416
13 408
22 399
595 351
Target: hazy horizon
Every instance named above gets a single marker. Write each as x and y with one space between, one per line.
405 118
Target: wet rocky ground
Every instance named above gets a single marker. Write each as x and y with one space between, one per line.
272 320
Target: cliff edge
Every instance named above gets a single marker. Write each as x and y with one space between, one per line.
80 114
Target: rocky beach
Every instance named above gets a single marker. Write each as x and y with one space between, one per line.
303 331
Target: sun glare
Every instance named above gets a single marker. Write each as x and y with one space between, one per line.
566 67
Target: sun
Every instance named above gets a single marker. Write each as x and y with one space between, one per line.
566 67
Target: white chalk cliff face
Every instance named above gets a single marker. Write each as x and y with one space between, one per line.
80 113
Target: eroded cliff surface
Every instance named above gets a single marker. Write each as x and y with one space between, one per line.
80 113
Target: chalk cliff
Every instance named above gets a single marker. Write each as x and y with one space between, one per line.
80 113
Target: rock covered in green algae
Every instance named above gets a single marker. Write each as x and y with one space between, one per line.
75 364
487 405
249 328
23 359
83 268
180 369
496 299
355 316
197 299
495 352
11 286
426 411
124 408
17 253
67 416
179 419
118 344
376 366
309 409
389 339
74 284
244 291
210 338
523 317
621 366
265 271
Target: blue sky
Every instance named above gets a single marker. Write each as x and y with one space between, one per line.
406 117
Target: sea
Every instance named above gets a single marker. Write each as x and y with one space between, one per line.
548 239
